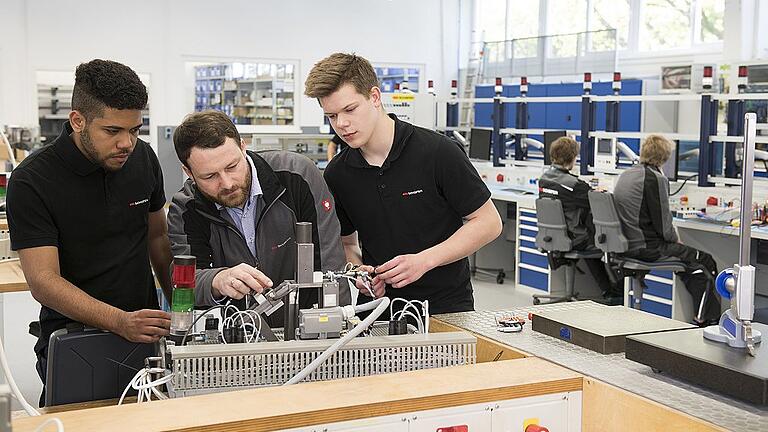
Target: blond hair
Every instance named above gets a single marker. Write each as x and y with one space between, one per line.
332 72
655 150
563 151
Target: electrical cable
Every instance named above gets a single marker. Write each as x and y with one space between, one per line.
682 185
146 388
379 306
12 383
55 420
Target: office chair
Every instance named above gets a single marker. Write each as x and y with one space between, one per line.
553 238
610 238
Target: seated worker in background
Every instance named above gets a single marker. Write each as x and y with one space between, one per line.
238 210
86 214
417 203
558 183
642 202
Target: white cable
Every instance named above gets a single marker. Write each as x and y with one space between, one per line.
381 305
12 383
59 424
141 382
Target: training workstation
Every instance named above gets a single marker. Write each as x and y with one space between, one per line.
483 215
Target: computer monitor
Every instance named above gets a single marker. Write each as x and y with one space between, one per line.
549 138
480 144
676 79
669 169
605 153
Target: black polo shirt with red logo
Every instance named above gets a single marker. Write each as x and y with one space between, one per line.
415 200
97 219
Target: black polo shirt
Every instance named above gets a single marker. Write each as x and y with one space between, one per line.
97 220
414 201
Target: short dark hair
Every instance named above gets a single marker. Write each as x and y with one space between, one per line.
205 129
101 84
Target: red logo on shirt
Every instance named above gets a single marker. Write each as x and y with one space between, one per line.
326 205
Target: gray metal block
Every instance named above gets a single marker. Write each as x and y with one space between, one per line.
686 354
601 329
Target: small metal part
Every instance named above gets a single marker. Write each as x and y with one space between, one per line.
750 339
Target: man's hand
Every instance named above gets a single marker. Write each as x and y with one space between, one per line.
143 326
403 269
238 281
377 285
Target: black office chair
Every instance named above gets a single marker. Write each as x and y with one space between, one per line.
609 237
553 238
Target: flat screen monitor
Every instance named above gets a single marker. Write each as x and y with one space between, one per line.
670 168
676 79
480 144
605 146
549 138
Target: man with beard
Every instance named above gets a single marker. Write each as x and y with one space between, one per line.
86 215
237 212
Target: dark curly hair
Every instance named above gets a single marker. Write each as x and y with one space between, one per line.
104 83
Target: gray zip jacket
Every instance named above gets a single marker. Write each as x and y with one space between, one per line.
293 191
642 201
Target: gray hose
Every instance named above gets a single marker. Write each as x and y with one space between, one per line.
379 306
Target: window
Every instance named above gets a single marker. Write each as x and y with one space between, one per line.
665 24
563 18
491 17
522 19
609 14
711 24
249 93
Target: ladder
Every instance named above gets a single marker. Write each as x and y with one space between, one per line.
472 77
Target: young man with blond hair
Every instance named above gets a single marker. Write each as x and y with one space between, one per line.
409 195
558 183
642 202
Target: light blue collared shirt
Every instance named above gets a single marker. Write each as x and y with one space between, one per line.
245 218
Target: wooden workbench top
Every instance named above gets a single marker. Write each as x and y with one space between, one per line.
11 277
329 401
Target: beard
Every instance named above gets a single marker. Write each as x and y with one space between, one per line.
235 197
93 155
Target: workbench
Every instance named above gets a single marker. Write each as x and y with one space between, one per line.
639 381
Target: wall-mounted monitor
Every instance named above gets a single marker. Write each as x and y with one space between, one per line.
676 79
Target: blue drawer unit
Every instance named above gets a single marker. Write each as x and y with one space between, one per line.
532 269
533 259
654 307
534 279
662 274
659 289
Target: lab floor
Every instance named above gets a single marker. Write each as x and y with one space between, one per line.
491 296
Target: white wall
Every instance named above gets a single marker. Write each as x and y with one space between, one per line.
157 38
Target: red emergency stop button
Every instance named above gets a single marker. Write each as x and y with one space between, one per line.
536 428
500 178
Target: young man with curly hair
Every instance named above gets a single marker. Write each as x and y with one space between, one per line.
86 215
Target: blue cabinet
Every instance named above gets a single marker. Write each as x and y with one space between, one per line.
563 115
